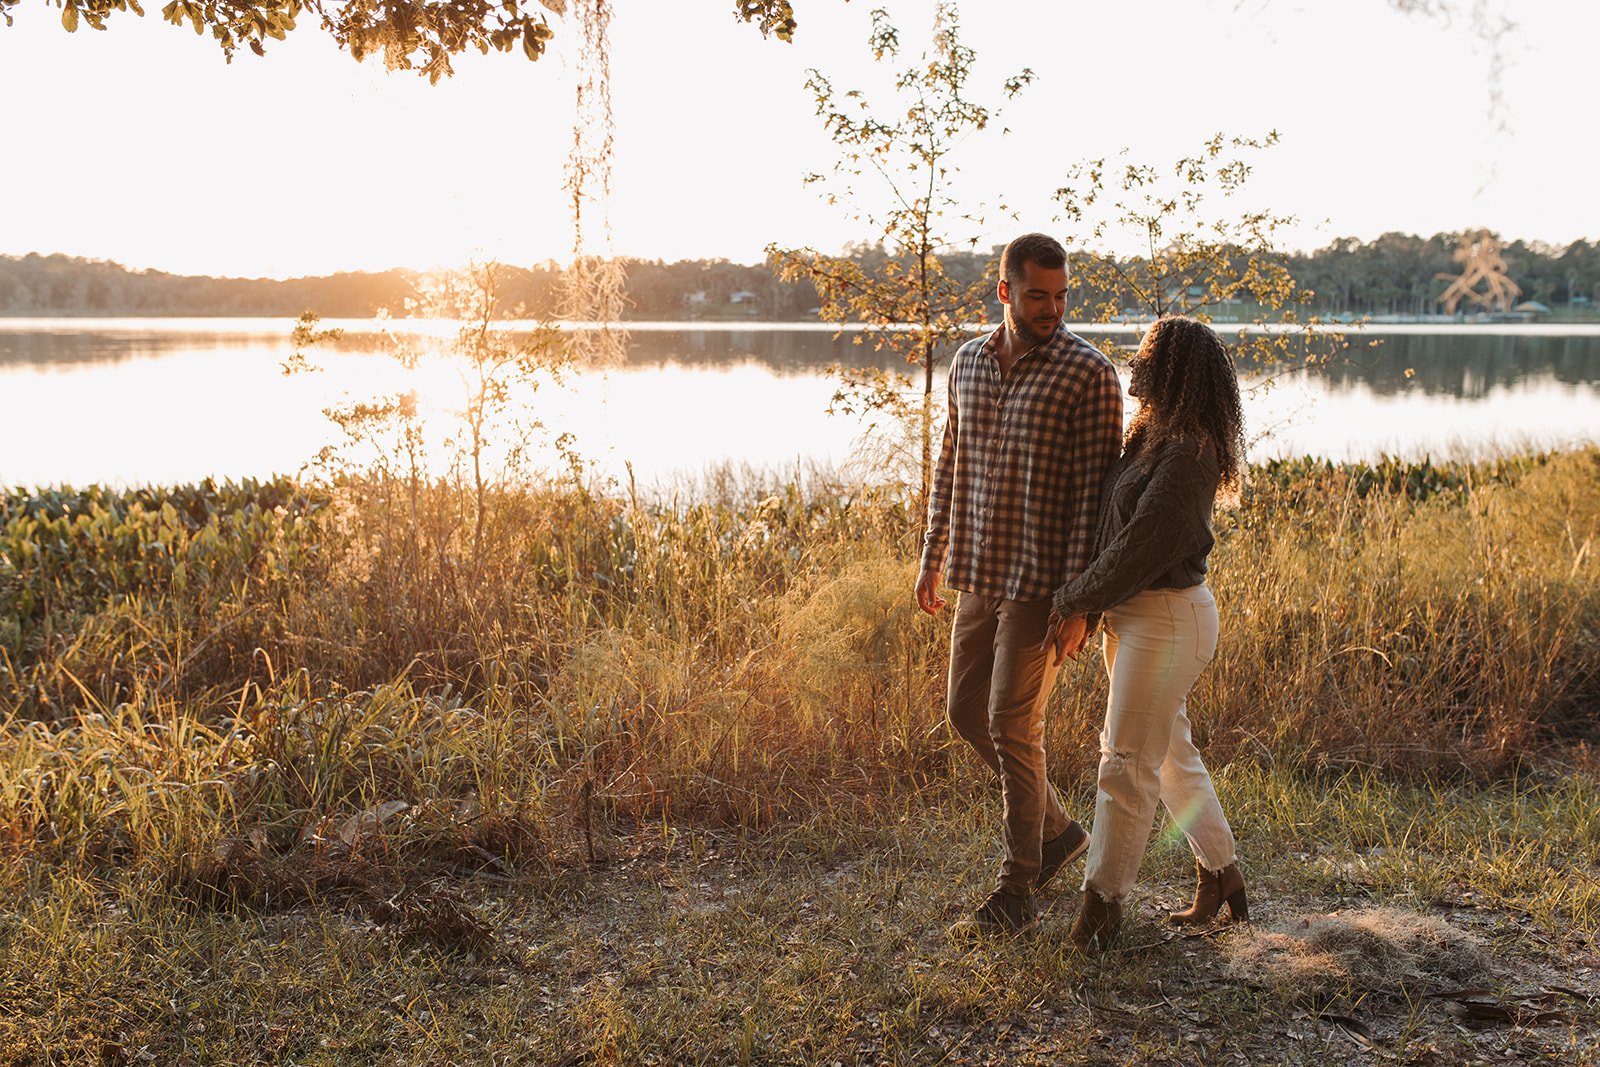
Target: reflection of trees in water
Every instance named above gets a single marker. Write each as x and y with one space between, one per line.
1464 366
45 348
785 351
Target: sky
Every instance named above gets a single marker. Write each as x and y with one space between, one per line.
142 146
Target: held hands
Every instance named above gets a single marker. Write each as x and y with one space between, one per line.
1065 637
928 598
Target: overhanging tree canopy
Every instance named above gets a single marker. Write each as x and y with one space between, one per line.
422 35
417 35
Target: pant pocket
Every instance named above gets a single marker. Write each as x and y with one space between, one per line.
1205 632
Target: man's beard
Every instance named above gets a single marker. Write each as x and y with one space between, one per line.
1025 332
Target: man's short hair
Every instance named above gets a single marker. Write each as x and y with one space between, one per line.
1038 248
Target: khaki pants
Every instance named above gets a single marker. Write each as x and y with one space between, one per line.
999 679
1157 644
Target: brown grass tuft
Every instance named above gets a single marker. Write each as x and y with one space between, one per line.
1380 951
434 914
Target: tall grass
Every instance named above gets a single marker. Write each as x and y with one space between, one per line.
209 681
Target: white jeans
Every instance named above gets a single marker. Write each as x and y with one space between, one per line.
1156 645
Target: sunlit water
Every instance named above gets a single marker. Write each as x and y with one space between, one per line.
174 400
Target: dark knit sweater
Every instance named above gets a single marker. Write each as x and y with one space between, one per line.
1155 526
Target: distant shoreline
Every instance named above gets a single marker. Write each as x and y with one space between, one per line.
13 323
1394 278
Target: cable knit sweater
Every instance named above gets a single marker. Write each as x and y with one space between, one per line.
1155 526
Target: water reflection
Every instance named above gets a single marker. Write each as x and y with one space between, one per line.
176 400
1465 363
1465 367
67 351
795 349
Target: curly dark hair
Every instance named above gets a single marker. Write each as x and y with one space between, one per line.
1186 384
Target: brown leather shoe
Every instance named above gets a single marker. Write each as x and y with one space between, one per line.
1212 890
1001 914
1060 851
1097 923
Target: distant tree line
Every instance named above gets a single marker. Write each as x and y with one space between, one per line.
1393 274
64 285
1397 273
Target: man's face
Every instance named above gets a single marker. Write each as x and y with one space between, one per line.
1035 304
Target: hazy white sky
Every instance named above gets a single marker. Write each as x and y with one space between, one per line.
141 145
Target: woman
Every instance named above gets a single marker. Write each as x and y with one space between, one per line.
1148 577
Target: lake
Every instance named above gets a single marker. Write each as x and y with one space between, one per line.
158 401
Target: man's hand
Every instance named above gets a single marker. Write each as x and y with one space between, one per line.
928 598
1065 637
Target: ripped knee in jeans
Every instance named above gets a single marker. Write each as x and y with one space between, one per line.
1115 762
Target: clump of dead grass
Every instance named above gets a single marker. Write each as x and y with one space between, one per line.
434 913
246 876
843 639
1376 951
616 668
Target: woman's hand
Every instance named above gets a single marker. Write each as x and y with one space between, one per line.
1065 637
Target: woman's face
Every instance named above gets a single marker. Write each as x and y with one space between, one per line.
1140 374
1139 366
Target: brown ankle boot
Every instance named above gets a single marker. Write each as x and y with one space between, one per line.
1211 891
1097 922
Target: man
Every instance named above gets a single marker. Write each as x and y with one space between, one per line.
1035 422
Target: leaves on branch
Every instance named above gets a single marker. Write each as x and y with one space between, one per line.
900 153
775 18
420 35
1181 253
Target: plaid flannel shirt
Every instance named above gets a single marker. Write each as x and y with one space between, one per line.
1016 494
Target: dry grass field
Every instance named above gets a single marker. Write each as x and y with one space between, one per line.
295 773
